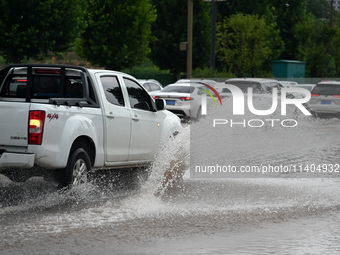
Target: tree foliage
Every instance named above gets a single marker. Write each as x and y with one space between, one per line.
122 33
118 33
318 47
253 7
284 13
243 43
318 8
335 51
289 13
31 28
170 29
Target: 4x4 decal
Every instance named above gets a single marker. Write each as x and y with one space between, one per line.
52 116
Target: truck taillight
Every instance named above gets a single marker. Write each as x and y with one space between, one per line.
36 127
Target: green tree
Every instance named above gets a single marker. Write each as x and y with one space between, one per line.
289 13
243 44
318 8
32 28
336 50
315 47
118 32
170 29
284 13
232 7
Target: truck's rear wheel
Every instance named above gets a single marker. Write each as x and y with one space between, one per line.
77 168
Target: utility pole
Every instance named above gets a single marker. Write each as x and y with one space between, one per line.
213 35
189 49
331 15
213 31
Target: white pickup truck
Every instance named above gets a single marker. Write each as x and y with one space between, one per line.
72 119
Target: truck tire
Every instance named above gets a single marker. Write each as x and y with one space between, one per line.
77 168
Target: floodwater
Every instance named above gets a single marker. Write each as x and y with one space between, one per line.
123 213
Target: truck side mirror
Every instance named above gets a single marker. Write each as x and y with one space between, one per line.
160 104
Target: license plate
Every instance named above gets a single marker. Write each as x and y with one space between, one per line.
170 102
325 102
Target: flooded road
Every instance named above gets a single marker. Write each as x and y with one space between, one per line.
121 213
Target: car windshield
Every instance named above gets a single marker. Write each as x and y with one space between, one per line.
327 89
179 89
305 87
266 87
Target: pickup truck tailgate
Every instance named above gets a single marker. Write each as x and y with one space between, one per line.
14 123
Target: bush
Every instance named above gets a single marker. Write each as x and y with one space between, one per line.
210 73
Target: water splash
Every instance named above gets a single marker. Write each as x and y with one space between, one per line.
205 205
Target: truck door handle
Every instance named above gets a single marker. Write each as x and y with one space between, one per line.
135 117
110 115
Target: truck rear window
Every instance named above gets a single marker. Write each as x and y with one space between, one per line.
51 84
43 87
